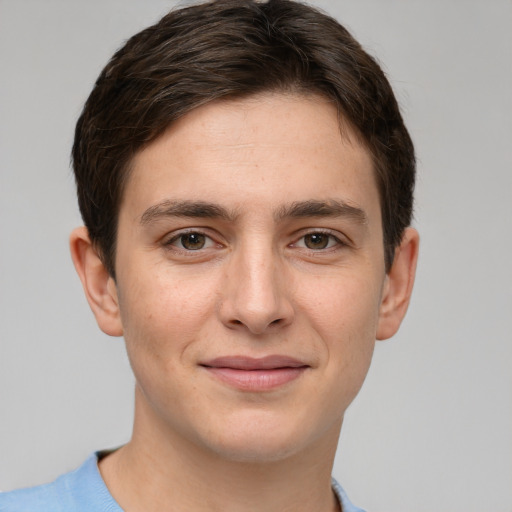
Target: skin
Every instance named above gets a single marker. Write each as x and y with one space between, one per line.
263 278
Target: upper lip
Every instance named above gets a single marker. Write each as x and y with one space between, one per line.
271 362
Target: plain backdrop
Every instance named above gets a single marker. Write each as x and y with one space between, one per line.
432 427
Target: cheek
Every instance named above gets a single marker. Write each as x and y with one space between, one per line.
163 318
344 307
345 316
164 313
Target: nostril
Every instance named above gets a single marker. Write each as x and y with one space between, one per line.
240 322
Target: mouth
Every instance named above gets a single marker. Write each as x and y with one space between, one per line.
255 374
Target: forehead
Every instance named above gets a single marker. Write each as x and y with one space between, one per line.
270 148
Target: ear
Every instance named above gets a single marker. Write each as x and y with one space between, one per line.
398 285
99 287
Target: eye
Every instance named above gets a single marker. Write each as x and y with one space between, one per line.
192 241
317 241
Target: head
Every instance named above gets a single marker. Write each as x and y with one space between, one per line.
232 49
246 182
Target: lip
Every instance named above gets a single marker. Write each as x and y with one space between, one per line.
255 374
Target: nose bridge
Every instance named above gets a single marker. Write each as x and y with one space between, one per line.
256 293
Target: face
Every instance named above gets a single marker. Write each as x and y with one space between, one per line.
250 275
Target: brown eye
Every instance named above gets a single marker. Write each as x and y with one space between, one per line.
316 240
192 241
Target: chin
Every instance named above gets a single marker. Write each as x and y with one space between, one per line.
263 439
253 450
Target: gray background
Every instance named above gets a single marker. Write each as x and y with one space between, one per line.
432 428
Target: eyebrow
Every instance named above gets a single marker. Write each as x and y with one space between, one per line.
325 208
192 209
297 210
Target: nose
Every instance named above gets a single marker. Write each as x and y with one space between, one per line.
256 296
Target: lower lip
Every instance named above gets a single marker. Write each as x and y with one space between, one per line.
257 380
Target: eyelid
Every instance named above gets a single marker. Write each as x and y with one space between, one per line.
340 239
169 239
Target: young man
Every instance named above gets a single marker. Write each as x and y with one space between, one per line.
246 180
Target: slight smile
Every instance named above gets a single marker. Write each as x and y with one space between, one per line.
255 374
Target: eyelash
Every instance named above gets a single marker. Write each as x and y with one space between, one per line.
179 236
333 242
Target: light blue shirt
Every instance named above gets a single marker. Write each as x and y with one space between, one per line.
83 490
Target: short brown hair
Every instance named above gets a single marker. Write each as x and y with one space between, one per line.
225 49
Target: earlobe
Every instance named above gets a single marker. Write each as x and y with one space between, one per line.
99 287
398 286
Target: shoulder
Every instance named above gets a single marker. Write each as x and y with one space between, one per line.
346 504
81 490
35 499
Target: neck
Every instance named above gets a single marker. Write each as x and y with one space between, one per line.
160 470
